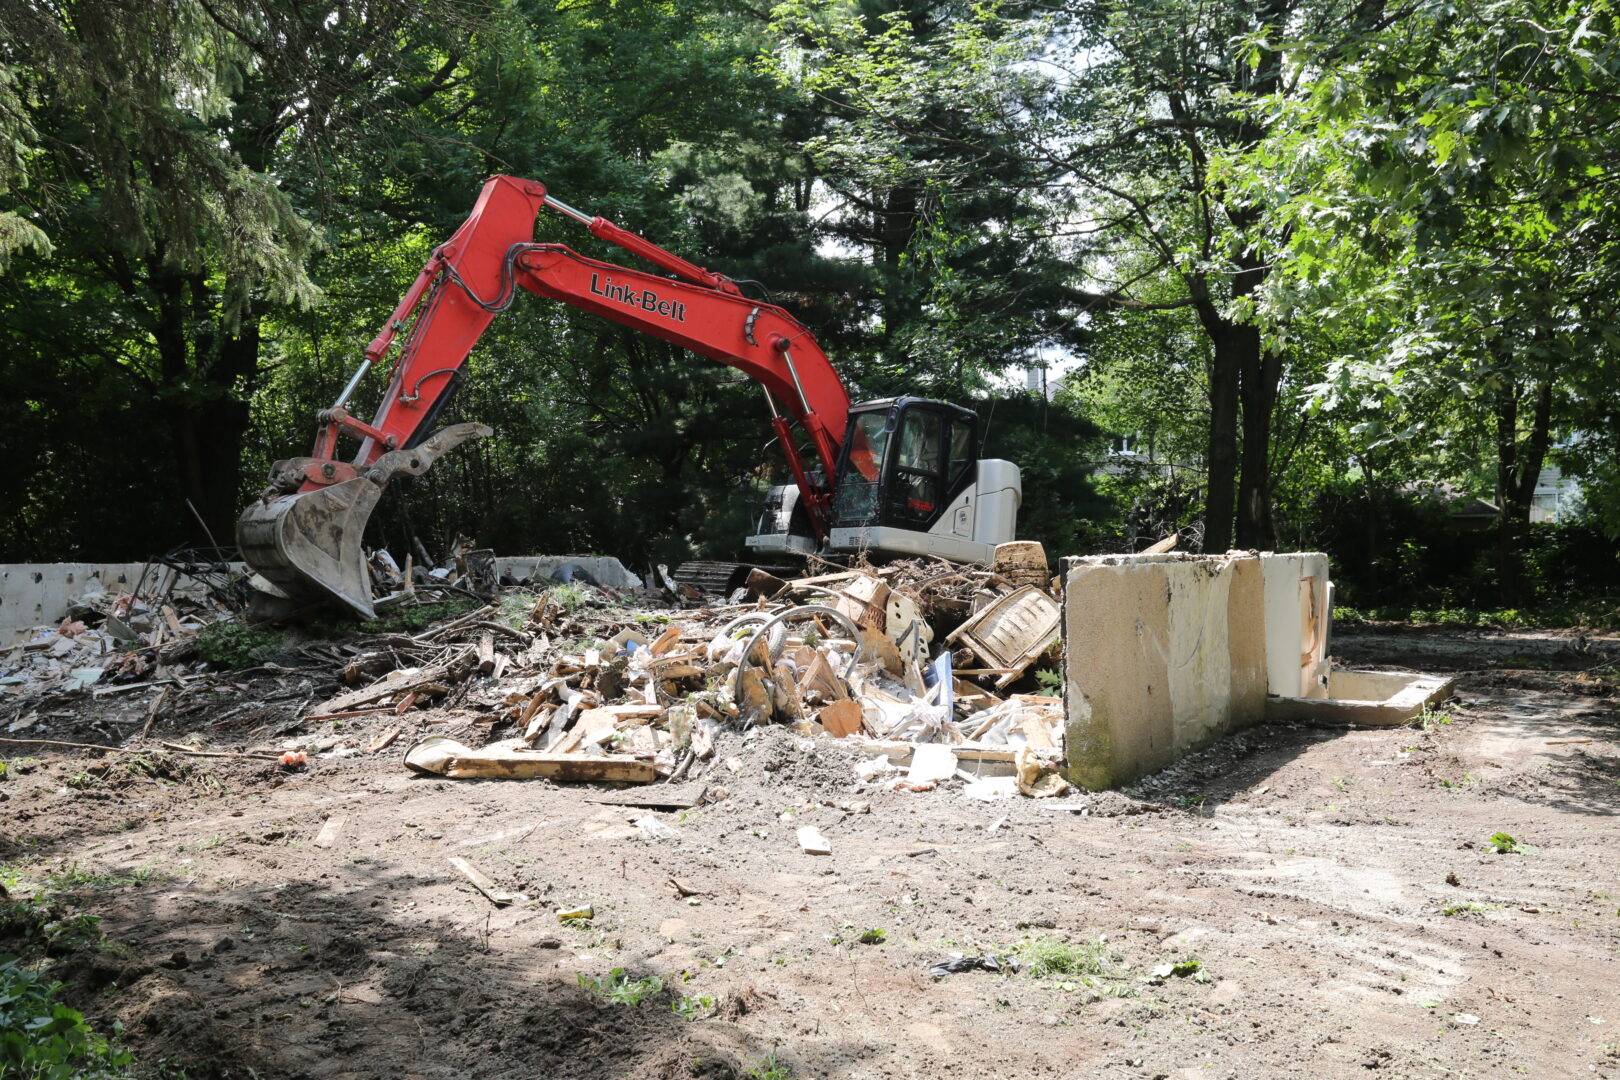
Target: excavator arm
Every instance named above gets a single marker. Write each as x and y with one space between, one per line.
303 535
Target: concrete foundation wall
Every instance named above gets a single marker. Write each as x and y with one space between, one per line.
38 594
1162 654
1365 698
1298 610
603 569
34 594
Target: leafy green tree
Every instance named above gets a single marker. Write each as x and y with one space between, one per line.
1455 207
153 220
1121 113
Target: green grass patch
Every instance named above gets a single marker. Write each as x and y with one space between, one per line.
231 645
1596 615
1468 906
516 607
416 617
1050 958
619 988
570 596
769 1068
50 884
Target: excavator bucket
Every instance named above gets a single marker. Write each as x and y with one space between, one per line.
306 546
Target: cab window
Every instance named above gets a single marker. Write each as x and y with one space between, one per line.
867 444
918 476
959 452
858 487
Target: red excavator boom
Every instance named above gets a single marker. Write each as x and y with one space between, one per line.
303 535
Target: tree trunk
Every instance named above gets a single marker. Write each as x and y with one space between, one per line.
896 228
1518 467
1261 372
1222 455
208 372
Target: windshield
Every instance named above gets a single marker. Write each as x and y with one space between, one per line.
867 443
857 501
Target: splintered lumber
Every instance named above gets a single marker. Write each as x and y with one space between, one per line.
666 641
395 681
351 714
841 718
1167 544
440 756
598 724
167 748
823 579
818 676
382 741
497 896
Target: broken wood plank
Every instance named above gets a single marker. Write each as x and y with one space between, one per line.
823 579
168 747
422 680
496 895
156 708
182 749
384 740
103 691
486 653
842 718
666 641
440 756
350 714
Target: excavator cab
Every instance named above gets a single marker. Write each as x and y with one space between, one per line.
909 482
902 459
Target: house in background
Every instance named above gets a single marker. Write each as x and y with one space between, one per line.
1557 497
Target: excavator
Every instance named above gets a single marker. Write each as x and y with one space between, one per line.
897 476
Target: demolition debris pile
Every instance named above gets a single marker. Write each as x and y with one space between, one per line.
915 663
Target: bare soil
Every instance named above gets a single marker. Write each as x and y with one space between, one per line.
1337 889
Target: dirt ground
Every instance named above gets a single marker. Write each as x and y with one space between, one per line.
1336 889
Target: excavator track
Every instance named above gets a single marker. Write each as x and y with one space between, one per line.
721 579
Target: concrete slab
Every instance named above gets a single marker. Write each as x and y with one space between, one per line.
1365 699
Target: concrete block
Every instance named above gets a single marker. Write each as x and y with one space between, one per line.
1162 654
